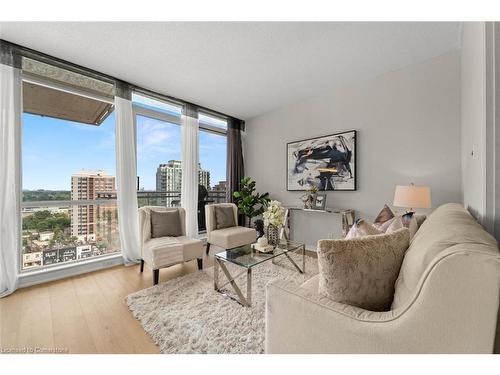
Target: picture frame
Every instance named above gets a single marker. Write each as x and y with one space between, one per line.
327 162
320 202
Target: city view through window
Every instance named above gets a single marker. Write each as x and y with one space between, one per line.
69 210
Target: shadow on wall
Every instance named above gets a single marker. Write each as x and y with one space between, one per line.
473 212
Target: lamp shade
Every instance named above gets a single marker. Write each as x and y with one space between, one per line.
411 196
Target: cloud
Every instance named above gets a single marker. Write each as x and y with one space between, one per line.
156 139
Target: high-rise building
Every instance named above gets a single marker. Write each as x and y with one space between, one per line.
169 179
203 177
220 186
219 192
89 185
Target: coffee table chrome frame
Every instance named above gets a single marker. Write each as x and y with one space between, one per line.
242 299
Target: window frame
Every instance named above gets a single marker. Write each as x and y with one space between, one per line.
83 264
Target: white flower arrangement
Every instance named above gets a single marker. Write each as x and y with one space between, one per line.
274 214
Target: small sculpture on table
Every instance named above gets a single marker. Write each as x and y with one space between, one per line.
259 227
309 197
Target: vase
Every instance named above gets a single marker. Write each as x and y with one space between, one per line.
272 234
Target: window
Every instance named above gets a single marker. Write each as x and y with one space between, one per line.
212 155
158 135
159 170
68 179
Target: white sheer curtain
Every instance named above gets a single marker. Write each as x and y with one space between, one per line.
189 187
10 166
126 181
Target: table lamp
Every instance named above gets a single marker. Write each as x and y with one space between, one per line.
411 196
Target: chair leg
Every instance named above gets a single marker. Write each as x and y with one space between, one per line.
200 263
156 276
142 265
208 247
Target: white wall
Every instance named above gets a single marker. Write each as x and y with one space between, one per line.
408 124
473 118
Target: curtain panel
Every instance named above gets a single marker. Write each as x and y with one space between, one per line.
190 166
234 164
10 170
126 180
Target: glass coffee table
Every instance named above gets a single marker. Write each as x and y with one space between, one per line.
247 258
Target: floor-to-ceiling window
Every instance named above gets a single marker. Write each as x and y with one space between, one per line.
159 169
158 135
68 177
212 155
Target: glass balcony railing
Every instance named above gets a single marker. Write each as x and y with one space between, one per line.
61 231
56 232
173 199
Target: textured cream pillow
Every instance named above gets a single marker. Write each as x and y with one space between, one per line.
362 271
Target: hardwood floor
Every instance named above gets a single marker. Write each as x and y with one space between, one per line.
82 314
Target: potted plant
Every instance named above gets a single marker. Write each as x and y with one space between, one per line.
250 203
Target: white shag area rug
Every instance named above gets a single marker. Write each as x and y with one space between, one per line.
186 314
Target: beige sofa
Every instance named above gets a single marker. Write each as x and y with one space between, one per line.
446 300
166 251
227 238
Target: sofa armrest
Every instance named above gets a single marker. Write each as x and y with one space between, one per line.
442 317
300 321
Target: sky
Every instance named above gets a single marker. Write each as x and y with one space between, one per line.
54 149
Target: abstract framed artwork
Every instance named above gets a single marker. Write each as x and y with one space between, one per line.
327 162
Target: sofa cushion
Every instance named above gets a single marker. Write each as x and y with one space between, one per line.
448 225
229 238
361 271
165 224
224 217
165 251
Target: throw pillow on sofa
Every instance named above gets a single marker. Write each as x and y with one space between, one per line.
362 271
383 219
360 229
407 220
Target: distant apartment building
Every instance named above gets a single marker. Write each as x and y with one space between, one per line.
169 179
218 194
32 259
220 186
90 185
203 177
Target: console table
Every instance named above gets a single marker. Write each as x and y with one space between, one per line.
347 216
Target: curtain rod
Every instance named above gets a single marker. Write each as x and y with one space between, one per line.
31 53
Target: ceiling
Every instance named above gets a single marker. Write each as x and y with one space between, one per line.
243 69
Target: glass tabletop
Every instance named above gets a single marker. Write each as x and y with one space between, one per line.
246 256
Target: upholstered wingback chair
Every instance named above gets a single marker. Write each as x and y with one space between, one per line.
446 300
166 251
227 238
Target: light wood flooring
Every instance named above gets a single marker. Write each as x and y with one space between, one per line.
82 314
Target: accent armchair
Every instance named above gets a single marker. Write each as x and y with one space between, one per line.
166 251
227 238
